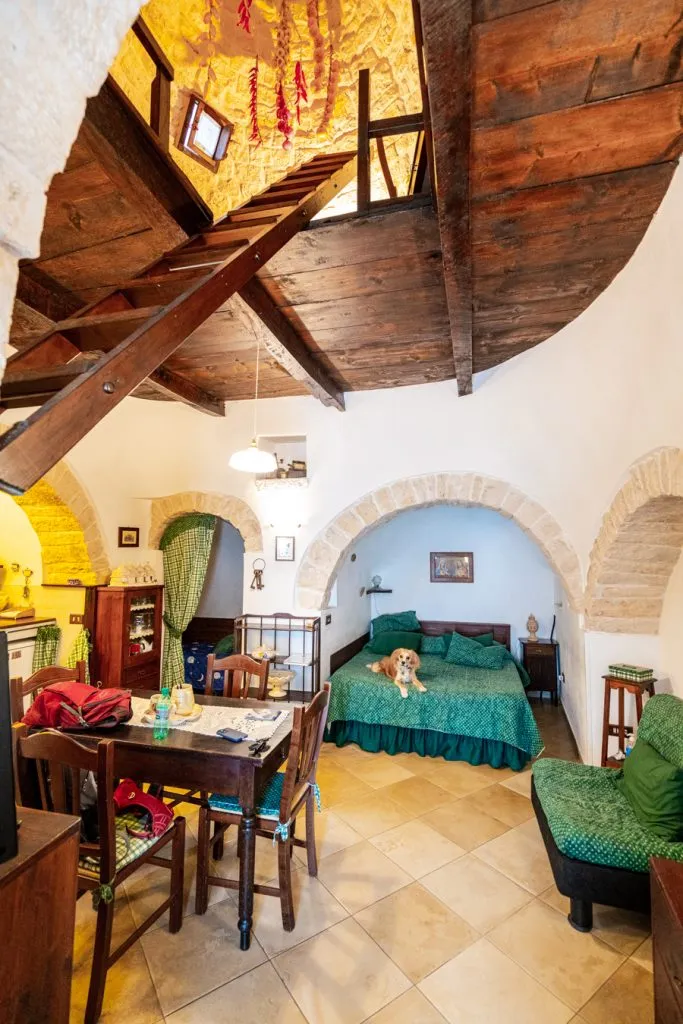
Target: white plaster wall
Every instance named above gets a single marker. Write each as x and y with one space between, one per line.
671 631
351 613
223 586
570 636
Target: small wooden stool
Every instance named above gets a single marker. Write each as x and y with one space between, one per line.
622 686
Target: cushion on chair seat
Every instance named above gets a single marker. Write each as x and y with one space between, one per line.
661 725
268 806
591 820
128 848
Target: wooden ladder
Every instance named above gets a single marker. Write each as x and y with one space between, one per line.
84 366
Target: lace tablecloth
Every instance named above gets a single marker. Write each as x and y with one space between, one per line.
214 718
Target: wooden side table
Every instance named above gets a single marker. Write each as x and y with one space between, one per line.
619 729
541 659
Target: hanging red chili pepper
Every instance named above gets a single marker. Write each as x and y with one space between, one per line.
313 18
244 15
283 116
301 89
253 106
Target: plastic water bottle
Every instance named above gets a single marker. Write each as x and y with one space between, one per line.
162 714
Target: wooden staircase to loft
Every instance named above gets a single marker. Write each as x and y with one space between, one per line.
82 367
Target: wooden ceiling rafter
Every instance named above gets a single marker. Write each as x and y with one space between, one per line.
30 448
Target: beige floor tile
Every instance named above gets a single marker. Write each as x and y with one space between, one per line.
373 814
129 993
417 848
260 996
331 834
572 965
337 785
643 955
379 773
477 892
340 976
86 921
417 795
625 998
459 778
265 864
623 930
464 825
361 875
521 858
410 1008
416 930
501 803
203 955
417 764
315 909
149 887
483 986
519 783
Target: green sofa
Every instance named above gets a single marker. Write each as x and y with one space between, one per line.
598 850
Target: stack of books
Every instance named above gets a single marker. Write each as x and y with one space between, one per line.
632 673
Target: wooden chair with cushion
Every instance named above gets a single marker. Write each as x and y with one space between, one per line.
237 670
285 796
60 761
20 688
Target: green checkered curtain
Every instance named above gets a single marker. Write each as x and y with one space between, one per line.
45 650
80 651
186 545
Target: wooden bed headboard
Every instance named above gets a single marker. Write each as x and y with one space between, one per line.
206 630
431 627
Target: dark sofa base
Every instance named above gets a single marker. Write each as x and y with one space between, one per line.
586 884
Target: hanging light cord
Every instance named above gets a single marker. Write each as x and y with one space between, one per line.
258 354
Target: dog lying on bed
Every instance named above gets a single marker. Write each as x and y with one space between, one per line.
400 667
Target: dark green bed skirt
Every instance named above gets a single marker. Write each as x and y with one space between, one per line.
397 740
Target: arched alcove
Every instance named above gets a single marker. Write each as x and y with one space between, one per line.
324 555
232 510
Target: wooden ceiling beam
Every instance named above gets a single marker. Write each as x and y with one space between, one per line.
172 385
446 29
285 344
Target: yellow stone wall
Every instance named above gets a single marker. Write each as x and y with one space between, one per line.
65 555
373 34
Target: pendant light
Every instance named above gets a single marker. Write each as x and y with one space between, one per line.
253 459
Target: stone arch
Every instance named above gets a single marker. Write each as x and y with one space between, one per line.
637 548
324 555
233 510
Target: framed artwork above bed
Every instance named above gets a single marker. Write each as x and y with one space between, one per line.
451 567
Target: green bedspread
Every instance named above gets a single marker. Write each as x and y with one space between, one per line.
469 702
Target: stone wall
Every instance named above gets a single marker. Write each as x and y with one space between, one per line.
53 55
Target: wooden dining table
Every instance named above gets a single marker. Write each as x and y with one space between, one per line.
194 761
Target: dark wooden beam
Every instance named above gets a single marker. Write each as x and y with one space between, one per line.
404 124
286 345
172 385
42 293
363 200
152 47
446 29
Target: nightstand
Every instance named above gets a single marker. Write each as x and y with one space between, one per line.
541 659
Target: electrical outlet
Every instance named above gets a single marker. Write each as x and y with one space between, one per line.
328 620
75 620
561 678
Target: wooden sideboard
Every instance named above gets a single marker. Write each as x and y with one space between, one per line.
666 888
38 913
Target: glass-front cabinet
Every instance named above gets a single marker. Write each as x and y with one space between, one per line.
127 641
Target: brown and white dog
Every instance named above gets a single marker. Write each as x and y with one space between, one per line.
400 667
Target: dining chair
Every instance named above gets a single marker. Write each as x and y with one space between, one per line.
287 793
21 688
237 671
60 762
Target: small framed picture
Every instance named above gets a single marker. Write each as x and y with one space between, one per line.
284 549
451 567
129 537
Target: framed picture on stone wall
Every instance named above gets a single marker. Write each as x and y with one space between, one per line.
451 567
129 537
284 549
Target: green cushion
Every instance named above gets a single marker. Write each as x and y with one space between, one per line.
268 805
464 651
224 647
405 621
128 848
437 645
386 643
591 819
485 639
661 726
654 789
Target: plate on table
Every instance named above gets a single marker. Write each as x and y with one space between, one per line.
174 719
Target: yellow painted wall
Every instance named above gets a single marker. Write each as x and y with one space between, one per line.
373 34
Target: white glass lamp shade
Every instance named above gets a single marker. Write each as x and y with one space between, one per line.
253 460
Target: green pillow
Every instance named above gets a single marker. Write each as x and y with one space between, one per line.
434 645
485 639
405 621
654 788
224 647
386 643
465 651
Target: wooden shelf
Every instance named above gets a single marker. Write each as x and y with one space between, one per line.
378 590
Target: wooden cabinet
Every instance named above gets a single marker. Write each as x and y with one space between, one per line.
127 646
38 913
541 659
666 889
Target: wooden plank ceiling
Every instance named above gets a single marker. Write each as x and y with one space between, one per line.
576 131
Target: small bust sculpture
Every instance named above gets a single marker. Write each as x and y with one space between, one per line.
532 626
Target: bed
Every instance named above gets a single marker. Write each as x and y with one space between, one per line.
468 714
199 641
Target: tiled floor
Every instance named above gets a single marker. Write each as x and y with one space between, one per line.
434 903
